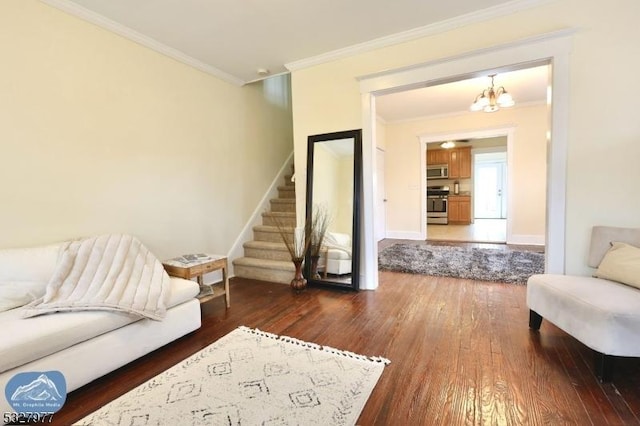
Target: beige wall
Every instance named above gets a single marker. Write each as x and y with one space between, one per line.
528 167
603 126
99 134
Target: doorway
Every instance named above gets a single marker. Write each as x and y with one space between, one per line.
494 145
548 48
490 184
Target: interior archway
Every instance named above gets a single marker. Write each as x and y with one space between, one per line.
551 48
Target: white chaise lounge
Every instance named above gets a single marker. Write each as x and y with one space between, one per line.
601 313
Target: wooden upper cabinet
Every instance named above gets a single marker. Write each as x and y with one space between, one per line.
464 158
460 163
437 156
454 164
458 159
430 157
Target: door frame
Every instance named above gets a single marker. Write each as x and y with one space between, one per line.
550 48
381 222
489 150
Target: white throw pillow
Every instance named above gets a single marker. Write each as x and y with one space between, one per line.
18 293
621 263
29 264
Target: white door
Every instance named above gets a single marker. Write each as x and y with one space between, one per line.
490 184
381 208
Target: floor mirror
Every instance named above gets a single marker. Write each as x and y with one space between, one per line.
334 182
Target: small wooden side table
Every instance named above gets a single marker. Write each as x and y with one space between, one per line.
196 265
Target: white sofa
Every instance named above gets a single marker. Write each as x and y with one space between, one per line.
81 345
602 314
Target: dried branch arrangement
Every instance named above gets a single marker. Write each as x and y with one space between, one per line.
319 225
309 237
299 244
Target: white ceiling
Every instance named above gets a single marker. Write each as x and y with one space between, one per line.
527 86
234 38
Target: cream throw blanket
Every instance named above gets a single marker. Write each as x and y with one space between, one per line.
107 272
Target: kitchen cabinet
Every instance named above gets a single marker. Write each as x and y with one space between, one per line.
437 156
458 160
459 209
460 163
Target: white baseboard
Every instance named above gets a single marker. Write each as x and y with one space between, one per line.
404 235
366 285
528 240
237 249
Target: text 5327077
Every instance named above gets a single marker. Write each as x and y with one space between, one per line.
27 417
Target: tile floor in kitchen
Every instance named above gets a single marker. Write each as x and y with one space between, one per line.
481 231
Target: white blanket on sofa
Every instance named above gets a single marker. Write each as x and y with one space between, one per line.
107 272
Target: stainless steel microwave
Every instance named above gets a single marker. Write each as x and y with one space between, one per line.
440 171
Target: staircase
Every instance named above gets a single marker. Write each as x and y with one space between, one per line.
266 258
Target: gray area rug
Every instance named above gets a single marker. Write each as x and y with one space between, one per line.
250 377
510 266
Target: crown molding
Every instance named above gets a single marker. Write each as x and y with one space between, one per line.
428 30
128 33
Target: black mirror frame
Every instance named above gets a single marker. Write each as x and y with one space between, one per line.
356 135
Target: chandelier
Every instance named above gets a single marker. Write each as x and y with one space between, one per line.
492 99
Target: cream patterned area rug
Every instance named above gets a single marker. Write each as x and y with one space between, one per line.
250 377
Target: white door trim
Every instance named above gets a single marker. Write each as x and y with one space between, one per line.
553 48
381 225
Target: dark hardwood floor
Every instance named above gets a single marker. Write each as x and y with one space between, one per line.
460 350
